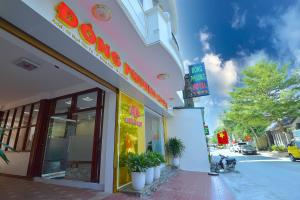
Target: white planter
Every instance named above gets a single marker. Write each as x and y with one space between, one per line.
138 180
149 175
156 172
176 161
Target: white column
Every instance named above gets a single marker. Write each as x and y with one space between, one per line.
147 4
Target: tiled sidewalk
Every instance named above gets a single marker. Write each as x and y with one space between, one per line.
20 189
182 186
187 186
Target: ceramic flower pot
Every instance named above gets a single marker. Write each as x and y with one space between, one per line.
156 172
138 180
176 162
149 175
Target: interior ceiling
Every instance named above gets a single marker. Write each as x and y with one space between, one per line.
17 83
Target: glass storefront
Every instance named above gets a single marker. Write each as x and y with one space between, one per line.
19 126
154 132
139 130
131 137
70 143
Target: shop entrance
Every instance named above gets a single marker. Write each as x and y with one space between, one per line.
73 139
49 115
154 132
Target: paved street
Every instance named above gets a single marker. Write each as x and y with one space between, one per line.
263 178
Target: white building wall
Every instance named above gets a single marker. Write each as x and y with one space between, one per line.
187 125
18 163
153 25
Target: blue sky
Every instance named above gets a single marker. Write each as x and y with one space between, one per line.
231 35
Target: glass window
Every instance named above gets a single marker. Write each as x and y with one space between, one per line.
10 117
154 133
70 146
12 138
4 140
21 139
63 105
35 113
3 119
17 117
58 126
26 116
88 100
30 138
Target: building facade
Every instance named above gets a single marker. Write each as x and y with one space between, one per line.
83 84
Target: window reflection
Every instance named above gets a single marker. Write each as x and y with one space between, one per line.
88 100
63 105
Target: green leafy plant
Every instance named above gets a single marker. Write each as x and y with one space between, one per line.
149 159
175 147
2 154
154 159
136 162
159 157
279 148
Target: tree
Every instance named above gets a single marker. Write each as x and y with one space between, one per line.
267 94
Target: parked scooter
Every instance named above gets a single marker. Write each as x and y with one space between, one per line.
225 164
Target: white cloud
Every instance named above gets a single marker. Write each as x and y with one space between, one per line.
287 33
186 64
239 17
204 38
253 58
222 75
196 59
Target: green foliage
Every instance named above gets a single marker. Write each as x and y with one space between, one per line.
175 147
159 157
136 163
279 148
153 159
268 94
2 154
213 139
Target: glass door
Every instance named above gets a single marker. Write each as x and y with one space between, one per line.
74 138
56 158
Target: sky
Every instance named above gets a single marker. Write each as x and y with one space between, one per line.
229 35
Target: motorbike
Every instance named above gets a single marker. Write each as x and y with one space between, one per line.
224 164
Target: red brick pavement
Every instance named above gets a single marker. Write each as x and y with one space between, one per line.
20 189
182 186
187 186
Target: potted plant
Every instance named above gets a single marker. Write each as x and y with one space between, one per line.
157 159
2 154
136 166
175 148
149 163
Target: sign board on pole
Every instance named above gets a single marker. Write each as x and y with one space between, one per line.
198 80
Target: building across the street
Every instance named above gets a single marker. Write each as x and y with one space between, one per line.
85 82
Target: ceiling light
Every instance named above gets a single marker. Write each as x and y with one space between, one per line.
68 102
27 64
87 99
162 76
101 12
26 113
36 110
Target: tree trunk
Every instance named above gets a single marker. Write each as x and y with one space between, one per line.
256 137
268 139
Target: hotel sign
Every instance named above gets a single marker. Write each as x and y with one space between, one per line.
67 21
198 80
